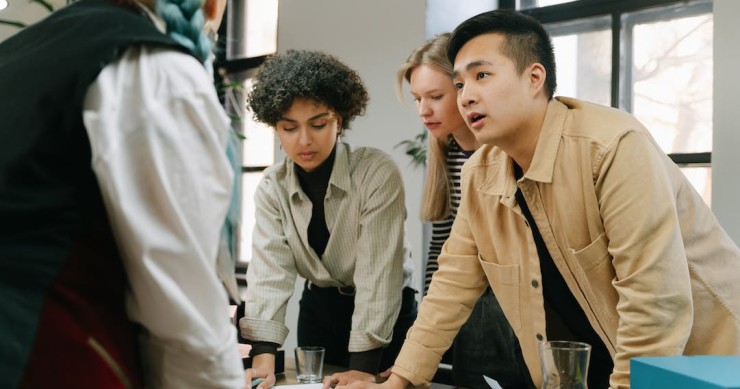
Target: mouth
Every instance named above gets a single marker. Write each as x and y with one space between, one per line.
431 124
306 155
475 119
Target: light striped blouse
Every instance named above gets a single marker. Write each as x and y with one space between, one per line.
456 157
365 213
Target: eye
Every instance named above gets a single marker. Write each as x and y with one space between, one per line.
289 129
481 75
318 125
438 97
458 85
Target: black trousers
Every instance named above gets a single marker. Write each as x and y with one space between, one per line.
325 319
486 345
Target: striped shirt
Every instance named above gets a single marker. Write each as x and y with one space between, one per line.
456 157
365 212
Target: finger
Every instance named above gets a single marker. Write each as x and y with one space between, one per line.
268 383
326 382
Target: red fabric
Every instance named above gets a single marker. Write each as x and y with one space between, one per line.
83 324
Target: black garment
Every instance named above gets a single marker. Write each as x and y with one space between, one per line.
488 347
314 184
325 319
565 306
61 276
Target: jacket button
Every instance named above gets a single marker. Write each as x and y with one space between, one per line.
535 283
540 337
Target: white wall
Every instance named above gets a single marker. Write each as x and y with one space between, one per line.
374 38
24 11
726 138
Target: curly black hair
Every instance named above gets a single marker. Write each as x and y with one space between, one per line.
306 74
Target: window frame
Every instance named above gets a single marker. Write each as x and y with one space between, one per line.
621 85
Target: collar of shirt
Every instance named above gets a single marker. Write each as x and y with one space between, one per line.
340 174
502 181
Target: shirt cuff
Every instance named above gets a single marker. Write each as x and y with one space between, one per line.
366 361
263 348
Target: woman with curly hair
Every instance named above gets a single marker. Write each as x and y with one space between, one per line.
331 213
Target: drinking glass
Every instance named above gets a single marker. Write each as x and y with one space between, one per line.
564 364
309 364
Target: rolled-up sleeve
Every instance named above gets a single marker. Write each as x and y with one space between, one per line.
271 273
379 275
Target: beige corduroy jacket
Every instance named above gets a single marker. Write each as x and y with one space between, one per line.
643 255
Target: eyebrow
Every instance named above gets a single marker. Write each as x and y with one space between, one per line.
318 116
471 65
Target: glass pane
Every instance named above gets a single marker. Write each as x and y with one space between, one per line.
249 186
525 4
258 144
701 179
583 58
672 80
444 15
262 17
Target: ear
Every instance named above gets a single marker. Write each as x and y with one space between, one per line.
537 76
210 7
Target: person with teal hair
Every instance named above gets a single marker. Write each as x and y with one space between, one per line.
117 201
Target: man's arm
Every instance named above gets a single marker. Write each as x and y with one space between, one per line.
635 186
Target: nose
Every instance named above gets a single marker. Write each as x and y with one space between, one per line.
467 96
423 109
304 137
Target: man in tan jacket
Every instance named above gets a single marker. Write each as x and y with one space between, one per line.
580 223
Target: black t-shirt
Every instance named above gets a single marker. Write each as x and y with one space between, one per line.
561 300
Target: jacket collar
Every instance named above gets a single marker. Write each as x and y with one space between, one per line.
503 182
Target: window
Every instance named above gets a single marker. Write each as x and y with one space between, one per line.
651 58
250 30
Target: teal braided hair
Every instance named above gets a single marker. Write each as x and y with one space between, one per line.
185 19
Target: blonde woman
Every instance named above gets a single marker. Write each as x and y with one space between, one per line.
114 187
487 334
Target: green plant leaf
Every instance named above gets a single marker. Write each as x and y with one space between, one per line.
416 149
44 4
13 23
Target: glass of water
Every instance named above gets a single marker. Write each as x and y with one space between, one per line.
309 364
564 364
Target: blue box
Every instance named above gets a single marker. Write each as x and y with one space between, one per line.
685 372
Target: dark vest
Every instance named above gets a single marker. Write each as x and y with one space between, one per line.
62 316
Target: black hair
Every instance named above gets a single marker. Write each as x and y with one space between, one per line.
526 41
306 74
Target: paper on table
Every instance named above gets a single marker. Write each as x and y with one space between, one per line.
492 383
301 386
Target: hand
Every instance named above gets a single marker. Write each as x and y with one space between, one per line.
386 373
346 378
393 382
263 366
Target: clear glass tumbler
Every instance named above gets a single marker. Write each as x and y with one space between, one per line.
309 364
564 364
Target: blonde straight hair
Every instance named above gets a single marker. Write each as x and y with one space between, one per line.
436 201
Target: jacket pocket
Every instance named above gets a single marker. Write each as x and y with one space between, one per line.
599 275
592 255
504 281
